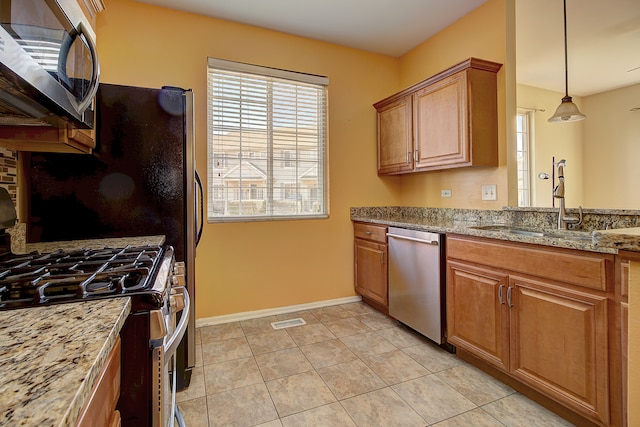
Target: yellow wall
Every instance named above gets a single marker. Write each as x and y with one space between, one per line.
562 140
251 266
481 34
258 265
612 149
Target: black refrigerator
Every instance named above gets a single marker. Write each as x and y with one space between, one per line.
140 180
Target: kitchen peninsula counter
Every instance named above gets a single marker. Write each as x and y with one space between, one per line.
623 232
51 356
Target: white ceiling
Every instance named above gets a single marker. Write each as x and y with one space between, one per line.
390 27
603 36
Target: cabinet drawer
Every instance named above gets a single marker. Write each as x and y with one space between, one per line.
375 233
564 265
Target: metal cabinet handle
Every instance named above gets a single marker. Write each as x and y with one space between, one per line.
415 155
382 258
509 289
413 239
500 294
368 233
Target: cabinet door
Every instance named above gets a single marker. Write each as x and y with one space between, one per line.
395 145
371 270
559 344
477 318
441 123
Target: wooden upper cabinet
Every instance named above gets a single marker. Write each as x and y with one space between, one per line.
440 136
48 139
451 120
395 137
91 8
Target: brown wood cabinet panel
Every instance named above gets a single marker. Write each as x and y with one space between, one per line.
375 233
441 123
556 333
591 270
448 120
395 145
99 411
47 139
91 8
559 344
624 279
476 313
624 356
371 272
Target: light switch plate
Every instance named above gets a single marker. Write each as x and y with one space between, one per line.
489 192
445 193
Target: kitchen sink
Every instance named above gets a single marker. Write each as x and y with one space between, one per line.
523 231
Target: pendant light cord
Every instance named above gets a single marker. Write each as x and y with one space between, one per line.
566 59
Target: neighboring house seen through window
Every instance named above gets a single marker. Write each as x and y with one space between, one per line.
267 139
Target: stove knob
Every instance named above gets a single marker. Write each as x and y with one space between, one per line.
176 302
178 280
179 268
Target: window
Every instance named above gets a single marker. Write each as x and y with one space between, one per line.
523 142
269 126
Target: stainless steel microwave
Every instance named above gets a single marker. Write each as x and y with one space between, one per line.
49 69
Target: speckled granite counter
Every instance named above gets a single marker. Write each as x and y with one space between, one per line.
592 235
94 243
50 358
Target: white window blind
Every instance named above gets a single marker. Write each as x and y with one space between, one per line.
267 137
523 146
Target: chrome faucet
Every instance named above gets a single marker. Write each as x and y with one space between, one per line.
558 192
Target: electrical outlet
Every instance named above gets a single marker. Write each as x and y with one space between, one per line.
445 193
489 192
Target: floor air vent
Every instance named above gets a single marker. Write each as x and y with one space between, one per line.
290 323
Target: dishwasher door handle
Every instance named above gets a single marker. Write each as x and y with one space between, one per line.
414 239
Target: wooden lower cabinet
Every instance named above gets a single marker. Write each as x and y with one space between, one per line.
100 410
558 344
477 321
371 269
548 335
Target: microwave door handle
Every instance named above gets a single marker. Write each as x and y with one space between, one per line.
95 71
83 104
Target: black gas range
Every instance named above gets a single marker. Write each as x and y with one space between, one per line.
84 274
155 283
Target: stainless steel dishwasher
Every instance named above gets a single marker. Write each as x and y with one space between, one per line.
416 280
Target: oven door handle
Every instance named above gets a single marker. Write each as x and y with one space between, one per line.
174 340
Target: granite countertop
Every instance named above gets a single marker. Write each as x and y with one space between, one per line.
492 223
51 356
94 244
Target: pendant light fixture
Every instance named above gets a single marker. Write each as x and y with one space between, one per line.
567 111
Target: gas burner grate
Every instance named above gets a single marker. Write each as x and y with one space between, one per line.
74 275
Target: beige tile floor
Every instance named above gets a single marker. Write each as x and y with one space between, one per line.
348 366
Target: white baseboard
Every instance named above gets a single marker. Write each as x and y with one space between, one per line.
236 317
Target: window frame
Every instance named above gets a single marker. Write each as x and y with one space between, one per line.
525 190
274 160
